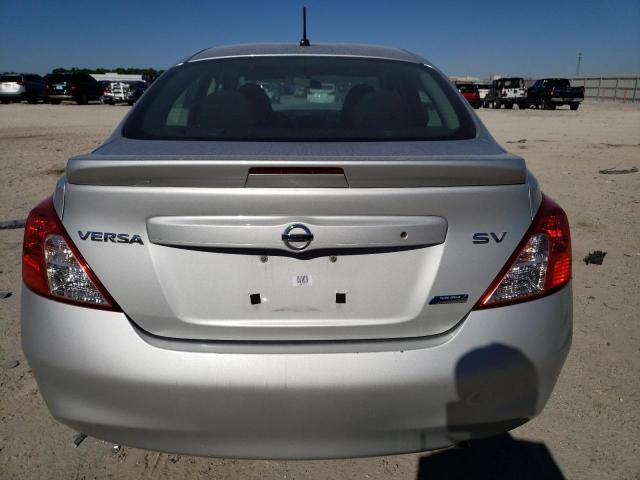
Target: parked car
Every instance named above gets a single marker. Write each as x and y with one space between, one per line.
78 87
300 91
115 92
135 91
22 86
507 92
483 89
366 277
549 93
321 93
470 92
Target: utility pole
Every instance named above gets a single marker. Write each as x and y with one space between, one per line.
578 64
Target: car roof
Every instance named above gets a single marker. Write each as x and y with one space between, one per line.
321 49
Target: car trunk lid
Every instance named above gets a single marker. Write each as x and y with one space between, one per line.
387 247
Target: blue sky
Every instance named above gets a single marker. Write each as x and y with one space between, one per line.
529 38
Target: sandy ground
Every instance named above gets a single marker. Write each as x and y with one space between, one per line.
590 427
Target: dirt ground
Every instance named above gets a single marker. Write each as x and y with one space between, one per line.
590 428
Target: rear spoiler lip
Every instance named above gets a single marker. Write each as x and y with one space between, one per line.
360 172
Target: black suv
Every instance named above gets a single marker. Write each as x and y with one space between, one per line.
16 87
78 87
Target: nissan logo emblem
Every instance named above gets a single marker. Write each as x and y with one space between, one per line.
297 236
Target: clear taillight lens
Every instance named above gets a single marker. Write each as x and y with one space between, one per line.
66 276
527 275
53 267
540 265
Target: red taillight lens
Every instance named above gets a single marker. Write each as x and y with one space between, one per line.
53 267
540 265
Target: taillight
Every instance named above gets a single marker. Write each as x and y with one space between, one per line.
52 265
107 90
539 266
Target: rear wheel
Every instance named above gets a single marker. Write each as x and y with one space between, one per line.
574 106
522 106
496 104
81 99
508 106
33 98
55 102
5 101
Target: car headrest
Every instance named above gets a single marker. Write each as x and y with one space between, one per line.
259 101
353 97
417 114
380 110
225 110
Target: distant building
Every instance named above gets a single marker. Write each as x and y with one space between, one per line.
117 77
465 79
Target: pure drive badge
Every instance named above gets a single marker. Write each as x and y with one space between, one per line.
110 237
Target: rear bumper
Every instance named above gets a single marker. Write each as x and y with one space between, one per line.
101 375
565 100
12 95
60 96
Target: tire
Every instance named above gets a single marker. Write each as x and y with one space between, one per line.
32 99
523 106
508 106
496 104
5 101
81 99
55 102
574 106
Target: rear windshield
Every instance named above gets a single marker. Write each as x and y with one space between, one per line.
57 77
10 78
467 88
513 82
559 82
301 98
70 77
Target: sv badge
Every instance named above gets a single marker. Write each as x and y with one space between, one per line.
485 237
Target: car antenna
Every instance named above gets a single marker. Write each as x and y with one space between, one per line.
305 41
